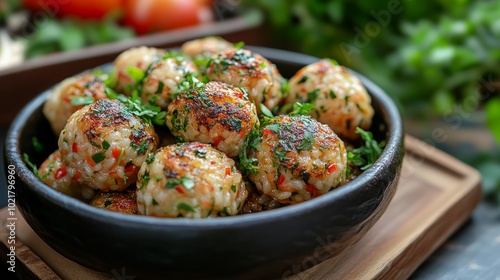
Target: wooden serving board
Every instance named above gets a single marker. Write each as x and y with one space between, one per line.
436 194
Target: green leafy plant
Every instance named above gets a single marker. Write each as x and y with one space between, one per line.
57 35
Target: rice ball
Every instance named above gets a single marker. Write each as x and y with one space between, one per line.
216 113
54 173
297 158
103 145
122 202
162 81
70 95
200 50
128 62
251 71
190 180
205 46
340 99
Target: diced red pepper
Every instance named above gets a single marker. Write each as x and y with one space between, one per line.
60 173
179 190
217 140
281 179
116 152
76 176
228 171
129 168
331 168
74 147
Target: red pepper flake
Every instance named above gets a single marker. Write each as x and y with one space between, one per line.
313 190
129 168
239 94
266 132
228 171
217 140
76 176
179 190
74 147
331 168
116 152
281 179
60 173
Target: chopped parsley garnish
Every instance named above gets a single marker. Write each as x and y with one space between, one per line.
154 202
301 109
234 123
150 114
312 95
98 157
145 180
135 73
141 148
185 181
186 207
201 153
303 79
30 164
105 145
307 142
37 145
332 94
150 158
239 45
364 156
160 87
233 188
81 100
265 111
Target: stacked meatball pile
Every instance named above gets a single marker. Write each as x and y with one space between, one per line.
230 155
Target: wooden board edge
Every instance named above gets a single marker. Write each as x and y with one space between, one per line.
433 237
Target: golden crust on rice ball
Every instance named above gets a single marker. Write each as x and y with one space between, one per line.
340 99
70 95
162 80
137 57
190 180
216 113
251 71
297 158
53 172
103 145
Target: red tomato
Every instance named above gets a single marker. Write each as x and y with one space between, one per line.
148 16
85 9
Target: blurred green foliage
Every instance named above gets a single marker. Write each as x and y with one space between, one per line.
57 35
435 58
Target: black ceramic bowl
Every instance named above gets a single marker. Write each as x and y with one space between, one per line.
270 244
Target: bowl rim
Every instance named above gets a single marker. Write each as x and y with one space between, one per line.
79 208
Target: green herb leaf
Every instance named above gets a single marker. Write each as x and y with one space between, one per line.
265 111
364 156
187 182
81 100
186 207
302 109
105 145
37 145
30 164
135 73
98 157
307 142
